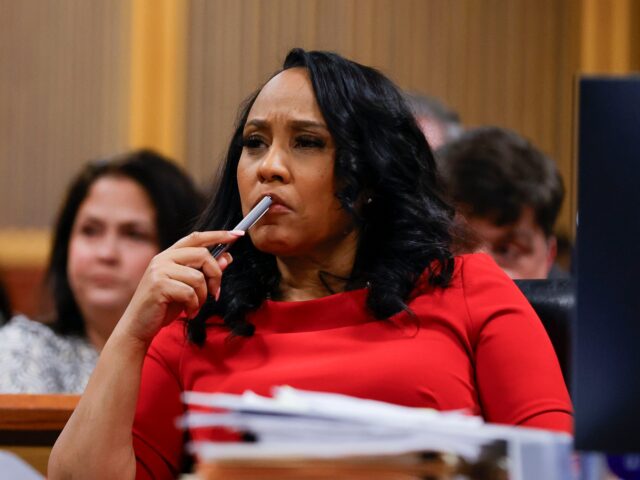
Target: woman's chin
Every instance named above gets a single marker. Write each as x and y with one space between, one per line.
105 302
271 240
276 249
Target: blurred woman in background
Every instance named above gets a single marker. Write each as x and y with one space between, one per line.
117 215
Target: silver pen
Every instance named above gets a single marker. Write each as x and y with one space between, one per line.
246 223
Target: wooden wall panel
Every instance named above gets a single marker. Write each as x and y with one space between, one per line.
67 93
63 98
158 40
610 36
26 290
500 62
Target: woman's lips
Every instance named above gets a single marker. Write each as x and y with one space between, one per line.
103 280
278 208
278 205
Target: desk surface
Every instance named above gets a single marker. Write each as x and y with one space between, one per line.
30 424
34 419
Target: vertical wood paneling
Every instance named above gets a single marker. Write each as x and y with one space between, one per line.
63 98
634 36
499 62
66 92
158 39
610 36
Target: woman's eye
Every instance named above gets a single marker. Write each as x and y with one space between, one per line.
139 235
309 142
89 230
252 142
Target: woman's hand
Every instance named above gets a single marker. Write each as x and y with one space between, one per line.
176 280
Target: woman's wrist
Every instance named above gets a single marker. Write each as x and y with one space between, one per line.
123 340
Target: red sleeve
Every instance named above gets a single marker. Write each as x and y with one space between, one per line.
517 372
157 443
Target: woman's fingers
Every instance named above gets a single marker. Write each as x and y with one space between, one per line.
194 257
176 291
207 239
191 277
177 279
213 269
182 275
198 269
200 258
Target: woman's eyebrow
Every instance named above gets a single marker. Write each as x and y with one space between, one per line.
88 218
298 124
136 222
256 123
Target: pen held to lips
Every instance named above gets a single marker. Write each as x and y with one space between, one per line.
246 223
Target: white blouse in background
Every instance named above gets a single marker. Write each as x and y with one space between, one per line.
35 359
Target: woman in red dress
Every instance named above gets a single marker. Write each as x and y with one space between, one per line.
348 284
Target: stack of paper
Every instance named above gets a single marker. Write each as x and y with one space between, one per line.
312 427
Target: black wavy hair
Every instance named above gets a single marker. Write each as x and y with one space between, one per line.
175 199
381 155
493 173
5 305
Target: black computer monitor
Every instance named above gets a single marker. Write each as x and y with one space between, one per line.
606 346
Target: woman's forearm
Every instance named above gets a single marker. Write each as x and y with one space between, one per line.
97 440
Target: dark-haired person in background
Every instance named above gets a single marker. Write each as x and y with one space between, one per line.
347 284
117 215
439 123
510 195
5 305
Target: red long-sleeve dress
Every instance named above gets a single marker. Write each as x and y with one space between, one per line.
475 345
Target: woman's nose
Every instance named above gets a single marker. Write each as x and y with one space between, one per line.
273 167
108 248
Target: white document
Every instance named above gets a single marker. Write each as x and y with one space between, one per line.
13 467
315 425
